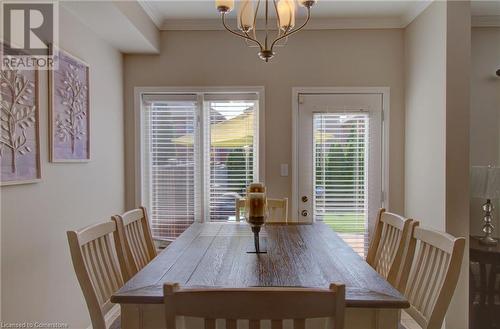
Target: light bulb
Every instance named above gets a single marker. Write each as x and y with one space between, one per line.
246 16
286 13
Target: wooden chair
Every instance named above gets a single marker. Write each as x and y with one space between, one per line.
389 242
255 304
136 247
238 204
430 274
277 210
96 265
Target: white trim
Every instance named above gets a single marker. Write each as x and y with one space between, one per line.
138 138
213 24
486 21
386 97
415 11
152 13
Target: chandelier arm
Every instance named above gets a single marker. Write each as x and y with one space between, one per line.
267 24
279 19
236 33
293 31
254 32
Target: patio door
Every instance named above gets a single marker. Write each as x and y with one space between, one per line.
340 163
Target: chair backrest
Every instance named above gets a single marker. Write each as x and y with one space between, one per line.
96 265
255 304
390 239
277 210
136 247
430 275
238 204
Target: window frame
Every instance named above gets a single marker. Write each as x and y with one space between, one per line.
202 115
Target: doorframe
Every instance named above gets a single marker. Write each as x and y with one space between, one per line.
386 99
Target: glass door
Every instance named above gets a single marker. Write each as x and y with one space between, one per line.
340 168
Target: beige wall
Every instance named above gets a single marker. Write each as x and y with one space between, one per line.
437 54
485 111
311 58
38 281
425 93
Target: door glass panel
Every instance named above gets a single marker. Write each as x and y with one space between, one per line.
232 132
340 174
170 166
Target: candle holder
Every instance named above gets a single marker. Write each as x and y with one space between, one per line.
256 217
256 238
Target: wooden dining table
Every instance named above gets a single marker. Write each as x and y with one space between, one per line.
217 255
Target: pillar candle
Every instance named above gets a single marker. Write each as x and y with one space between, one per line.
256 187
256 208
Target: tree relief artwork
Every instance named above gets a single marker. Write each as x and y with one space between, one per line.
70 110
19 141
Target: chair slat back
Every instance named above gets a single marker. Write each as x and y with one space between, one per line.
97 268
277 210
239 203
255 304
435 259
388 245
136 246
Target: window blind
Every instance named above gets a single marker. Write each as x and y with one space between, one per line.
341 145
231 143
170 162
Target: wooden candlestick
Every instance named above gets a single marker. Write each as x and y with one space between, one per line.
256 212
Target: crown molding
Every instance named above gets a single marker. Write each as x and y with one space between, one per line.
486 21
417 9
155 17
315 24
132 30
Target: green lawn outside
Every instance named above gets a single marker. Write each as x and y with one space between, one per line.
346 223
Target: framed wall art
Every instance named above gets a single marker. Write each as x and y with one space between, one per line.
69 114
19 127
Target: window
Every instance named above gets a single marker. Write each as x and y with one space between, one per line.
170 175
199 152
340 187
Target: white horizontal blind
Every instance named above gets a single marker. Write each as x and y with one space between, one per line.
341 143
232 147
170 162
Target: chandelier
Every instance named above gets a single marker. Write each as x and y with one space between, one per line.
247 21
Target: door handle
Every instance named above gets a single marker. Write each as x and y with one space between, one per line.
304 199
304 213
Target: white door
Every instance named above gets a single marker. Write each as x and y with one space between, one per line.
340 163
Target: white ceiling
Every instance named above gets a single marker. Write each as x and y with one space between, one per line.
171 13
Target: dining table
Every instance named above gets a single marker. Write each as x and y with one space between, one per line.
218 254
